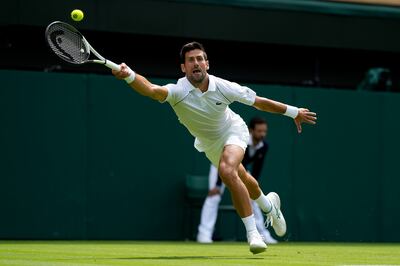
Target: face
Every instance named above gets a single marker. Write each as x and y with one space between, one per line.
259 132
195 66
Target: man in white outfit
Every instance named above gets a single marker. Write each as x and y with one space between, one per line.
253 161
201 102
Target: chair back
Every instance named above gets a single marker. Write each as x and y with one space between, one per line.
196 186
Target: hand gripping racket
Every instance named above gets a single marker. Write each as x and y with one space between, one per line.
70 45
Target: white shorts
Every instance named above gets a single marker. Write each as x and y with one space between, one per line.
237 136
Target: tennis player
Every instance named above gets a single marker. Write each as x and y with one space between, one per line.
201 102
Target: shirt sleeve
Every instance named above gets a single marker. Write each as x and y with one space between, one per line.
171 97
235 92
245 95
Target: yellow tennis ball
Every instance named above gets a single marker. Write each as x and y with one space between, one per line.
77 14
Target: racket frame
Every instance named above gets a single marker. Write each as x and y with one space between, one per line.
100 59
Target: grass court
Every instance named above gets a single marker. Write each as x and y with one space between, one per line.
80 253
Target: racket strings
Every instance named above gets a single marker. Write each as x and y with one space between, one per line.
67 44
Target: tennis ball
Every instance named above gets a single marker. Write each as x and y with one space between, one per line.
77 14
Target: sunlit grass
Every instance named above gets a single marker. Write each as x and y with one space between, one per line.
78 253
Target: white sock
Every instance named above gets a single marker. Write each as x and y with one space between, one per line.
264 203
249 223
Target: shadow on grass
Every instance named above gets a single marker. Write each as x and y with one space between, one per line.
190 258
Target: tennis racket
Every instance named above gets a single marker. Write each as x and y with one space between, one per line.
70 45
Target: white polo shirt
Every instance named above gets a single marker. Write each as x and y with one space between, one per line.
207 115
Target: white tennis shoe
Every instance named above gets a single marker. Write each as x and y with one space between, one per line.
275 217
256 242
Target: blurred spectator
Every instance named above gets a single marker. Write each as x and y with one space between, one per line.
376 79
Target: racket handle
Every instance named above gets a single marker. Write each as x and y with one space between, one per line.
112 65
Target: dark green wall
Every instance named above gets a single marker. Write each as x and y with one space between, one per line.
84 157
80 159
294 22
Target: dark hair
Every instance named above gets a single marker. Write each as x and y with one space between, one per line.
255 121
189 47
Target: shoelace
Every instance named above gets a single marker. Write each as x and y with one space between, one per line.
269 221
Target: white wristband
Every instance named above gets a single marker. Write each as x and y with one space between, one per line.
291 111
131 77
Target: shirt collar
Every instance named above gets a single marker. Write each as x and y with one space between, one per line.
258 146
211 83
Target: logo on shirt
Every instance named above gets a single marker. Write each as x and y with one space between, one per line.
218 103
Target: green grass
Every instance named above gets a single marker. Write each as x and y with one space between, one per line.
79 253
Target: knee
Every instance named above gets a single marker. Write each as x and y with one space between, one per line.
227 173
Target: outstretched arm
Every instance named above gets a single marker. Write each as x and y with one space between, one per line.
300 115
140 84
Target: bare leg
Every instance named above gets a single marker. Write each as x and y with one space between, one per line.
229 163
254 189
266 203
231 158
250 182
